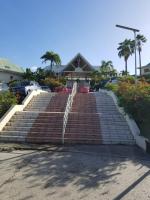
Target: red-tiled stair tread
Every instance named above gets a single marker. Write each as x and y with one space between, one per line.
57 103
47 128
83 123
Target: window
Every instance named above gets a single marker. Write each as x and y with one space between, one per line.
146 70
7 67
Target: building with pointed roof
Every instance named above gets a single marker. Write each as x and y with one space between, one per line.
78 68
9 71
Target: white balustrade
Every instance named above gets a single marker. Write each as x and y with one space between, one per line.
68 108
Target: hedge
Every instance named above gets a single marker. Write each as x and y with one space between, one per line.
7 99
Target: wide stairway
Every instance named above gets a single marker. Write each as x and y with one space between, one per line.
40 122
92 119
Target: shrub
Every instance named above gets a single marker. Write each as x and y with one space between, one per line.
7 99
52 83
135 99
62 80
112 87
127 79
136 102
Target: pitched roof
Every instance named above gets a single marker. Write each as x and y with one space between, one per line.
6 65
75 59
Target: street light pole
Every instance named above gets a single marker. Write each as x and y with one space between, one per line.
134 31
135 57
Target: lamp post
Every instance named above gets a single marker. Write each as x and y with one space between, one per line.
134 31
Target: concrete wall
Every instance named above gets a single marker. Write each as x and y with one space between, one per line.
6 76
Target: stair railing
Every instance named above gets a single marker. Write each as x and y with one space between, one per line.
68 108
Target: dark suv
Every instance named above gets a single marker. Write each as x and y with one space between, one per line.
25 87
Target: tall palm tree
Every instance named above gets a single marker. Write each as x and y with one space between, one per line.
106 67
52 57
140 39
125 50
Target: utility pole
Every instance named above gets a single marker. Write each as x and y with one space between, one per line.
134 31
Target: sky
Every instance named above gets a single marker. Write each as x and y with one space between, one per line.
29 28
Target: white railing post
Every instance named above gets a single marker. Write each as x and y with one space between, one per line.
68 108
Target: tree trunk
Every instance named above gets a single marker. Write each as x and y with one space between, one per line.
140 65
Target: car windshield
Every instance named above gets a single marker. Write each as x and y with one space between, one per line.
25 83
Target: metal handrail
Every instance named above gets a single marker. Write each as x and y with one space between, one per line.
68 108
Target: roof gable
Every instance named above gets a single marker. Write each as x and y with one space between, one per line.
78 63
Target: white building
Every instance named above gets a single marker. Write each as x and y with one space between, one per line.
9 71
145 70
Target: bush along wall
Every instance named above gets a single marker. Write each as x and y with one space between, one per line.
7 99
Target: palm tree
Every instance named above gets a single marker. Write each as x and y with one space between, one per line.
52 57
140 39
106 68
125 50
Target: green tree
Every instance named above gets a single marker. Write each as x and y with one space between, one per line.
29 75
107 69
54 58
7 99
140 40
40 74
126 49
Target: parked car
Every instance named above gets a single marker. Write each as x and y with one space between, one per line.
4 87
25 87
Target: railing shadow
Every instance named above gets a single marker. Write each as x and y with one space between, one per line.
132 186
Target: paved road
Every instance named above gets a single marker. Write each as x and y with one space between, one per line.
78 172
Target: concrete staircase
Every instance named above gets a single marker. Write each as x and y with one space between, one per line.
47 128
40 122
40 102
94 119
114 128
83 123
58 103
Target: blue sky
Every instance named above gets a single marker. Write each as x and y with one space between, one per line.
28 28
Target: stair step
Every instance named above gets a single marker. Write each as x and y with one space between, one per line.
44 129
